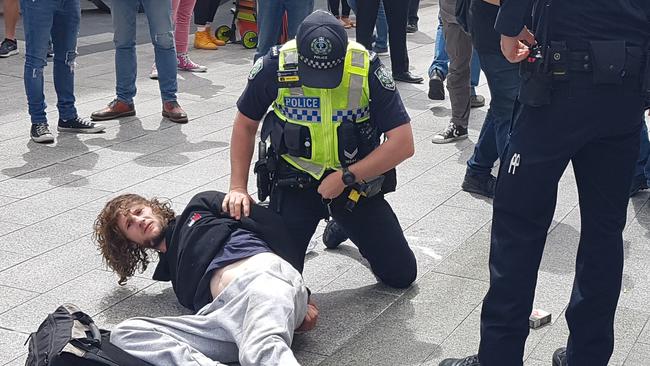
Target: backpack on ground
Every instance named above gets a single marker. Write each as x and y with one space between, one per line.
69 337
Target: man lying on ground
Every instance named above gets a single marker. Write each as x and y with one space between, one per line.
235 273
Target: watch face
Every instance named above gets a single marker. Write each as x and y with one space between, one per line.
348 178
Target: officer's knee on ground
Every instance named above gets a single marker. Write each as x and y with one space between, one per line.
400 275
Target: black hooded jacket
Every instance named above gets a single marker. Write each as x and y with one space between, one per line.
196 236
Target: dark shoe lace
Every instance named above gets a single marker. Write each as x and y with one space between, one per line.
42 130
470 361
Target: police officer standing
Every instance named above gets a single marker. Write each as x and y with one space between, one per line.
589 53
332 100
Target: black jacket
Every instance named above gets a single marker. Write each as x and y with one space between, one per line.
196 236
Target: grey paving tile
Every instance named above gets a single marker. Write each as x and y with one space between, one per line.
19 361
45 179
54 267
342 315
324 266
4 200
12 297
639 355
470 259
123 176
93 292
7 227
11 345
627 327
201 171
50 233
636 279
308 358
47 204
155 300
8 259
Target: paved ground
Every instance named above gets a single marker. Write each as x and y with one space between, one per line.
50 195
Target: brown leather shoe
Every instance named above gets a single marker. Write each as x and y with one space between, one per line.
115 109
173 112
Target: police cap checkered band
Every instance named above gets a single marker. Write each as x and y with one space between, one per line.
315 64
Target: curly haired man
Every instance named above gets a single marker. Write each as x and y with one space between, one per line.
237 275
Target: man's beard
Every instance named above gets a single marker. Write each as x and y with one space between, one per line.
155 242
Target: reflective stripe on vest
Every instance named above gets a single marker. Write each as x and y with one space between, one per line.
348 101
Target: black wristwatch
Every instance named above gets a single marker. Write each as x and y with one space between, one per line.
348 177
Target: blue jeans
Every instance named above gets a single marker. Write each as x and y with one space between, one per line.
381 25
269 21
441 60
60 20
503 81
643 164
161 30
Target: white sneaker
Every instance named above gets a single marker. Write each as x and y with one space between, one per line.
154 72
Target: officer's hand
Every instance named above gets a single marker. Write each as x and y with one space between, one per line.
332 186
515 49
236 201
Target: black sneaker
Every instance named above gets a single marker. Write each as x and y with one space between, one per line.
50 49
451 133
41 133
436 86
411 28
333 235
79 125
8 47
559 357
479 184
467 361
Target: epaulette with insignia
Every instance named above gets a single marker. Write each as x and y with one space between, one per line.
275 51
372 55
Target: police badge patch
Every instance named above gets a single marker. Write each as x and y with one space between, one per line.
385 78
257 66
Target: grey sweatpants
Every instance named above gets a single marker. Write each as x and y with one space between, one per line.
251 322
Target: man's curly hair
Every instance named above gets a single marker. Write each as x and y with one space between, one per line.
123 256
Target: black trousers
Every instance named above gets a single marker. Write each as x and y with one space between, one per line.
334 7
204 11
414 6
396 13
602 146
372 226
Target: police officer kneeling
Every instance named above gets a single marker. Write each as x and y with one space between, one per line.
332 100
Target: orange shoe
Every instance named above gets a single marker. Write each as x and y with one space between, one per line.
202 41
214 39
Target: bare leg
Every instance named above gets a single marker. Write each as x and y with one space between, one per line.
11 15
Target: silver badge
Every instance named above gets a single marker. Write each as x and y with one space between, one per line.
321 46
257 67
385 78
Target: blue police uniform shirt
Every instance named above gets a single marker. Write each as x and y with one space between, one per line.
386 108
599 20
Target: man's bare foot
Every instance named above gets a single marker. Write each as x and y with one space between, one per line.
310 318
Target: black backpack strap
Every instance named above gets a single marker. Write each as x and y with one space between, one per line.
88 321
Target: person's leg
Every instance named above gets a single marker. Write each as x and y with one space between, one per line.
345 8
275 305
440 59
381 41
301 211
503 82
645 146
458 45
269 25
161 30
603 197
297 11
124 14
475 67
523 208
204 12
64 37
396 14
37 21
642 170
374 229
366 19
11 14
333 6
182 15
413 8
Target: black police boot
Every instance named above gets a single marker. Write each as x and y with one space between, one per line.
479 184
559 357
467 361
639 183
333 235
